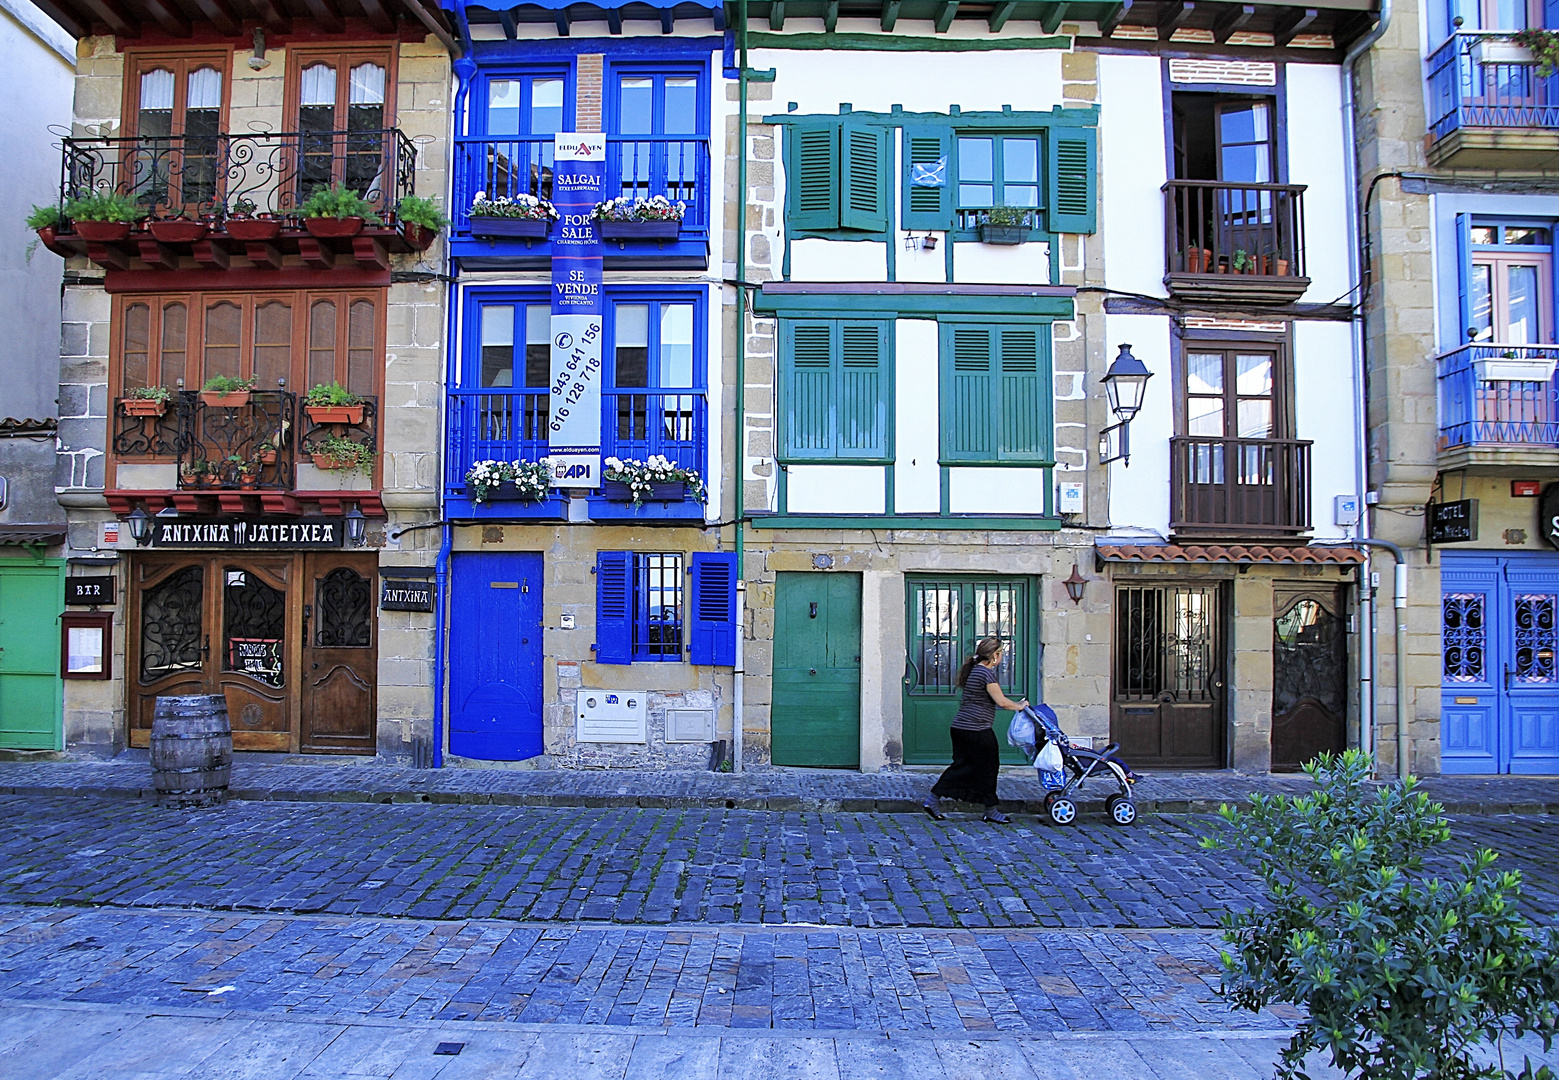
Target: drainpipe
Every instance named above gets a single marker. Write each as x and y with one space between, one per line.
1400 599
1367 651
737 719
441 577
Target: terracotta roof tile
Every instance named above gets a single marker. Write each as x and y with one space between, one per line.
1230 553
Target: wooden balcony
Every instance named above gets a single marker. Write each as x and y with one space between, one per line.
1234 242
1232 489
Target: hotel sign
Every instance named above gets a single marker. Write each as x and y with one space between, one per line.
248 533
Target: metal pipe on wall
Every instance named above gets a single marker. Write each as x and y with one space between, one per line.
737 704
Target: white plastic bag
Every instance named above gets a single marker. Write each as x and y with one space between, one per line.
1050 759
1020 732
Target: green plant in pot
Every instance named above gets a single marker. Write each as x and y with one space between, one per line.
146 401
1544 47
104 216
421 219
332 403
1006 224
339 453
46 221
336 212
195 473
226 392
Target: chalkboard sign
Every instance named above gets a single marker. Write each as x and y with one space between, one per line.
89 591
1453 522
406 594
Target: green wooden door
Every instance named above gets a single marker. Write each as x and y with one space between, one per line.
945 617
817 670
31 691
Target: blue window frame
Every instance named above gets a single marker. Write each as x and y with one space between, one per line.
1506 278
658 118
660 606
514 115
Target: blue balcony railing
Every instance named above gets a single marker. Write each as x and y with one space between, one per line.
511 425
1499 394
1483 80
676 166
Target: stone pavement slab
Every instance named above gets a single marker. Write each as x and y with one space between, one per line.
263 778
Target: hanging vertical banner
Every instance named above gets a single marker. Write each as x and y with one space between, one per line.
578 312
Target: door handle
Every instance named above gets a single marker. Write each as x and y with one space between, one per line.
205 650
811 671
814 609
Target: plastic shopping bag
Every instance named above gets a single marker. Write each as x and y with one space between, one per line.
1021 733
1051 767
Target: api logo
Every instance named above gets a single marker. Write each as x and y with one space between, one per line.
578 471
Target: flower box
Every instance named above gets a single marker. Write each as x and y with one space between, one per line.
335 414
1514 369
214 399
265 457
508 491
1501 51
620 491
418 237
1006 235
330 462
253 230
518 228
179 231
142 406
103 232
333 228
639 230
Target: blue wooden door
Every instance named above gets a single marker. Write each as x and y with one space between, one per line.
495 656
1500 690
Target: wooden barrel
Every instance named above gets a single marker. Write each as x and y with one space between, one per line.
192 750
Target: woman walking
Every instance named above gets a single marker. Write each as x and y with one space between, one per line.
976 757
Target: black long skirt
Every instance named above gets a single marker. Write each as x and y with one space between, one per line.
972 775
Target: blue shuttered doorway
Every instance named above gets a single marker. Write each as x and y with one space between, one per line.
1499 707
495 656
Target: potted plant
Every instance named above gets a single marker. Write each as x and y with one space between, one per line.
178 229
508 481
247 472
243 223
46 222
265 453
656 479
195 472
332 403
103 217
339 453
1243 263
336 213
226 392
145 401
420 219
524 216
625 218
1006 225
1198 260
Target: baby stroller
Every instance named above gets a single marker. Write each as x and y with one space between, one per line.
1035 727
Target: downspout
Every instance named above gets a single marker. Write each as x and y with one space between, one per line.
441 578
737 718
1367 652
1400 600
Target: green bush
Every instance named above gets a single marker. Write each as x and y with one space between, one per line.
226 384
45 217
1402 975
336 201
104 206
420 211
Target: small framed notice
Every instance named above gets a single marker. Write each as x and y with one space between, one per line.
86 645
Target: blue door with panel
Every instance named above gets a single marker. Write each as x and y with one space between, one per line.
495 656
1500 691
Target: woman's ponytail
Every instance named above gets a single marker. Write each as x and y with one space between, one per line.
983 652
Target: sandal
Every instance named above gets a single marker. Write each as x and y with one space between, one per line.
996 817
933 806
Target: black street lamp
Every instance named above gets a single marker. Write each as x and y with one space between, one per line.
140 526
1126 386
356 526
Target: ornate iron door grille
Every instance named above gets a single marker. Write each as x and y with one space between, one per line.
1167 643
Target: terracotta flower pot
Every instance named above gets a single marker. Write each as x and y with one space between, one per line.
253 229
179 231
1198 260
330 462
266 457
418 237
329 228
214 400
335 414
142 406
103 232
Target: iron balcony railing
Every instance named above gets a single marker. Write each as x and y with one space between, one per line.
511 425
1239 487
637 166
1481 79
1499 394
1219 228
220 175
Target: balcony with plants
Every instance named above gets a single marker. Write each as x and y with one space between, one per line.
1494 100
1234 242
656 214
1498 405
261 201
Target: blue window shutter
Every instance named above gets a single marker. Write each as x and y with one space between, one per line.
614 607
863 197
1073 169
814 177
807 382
1024 375
928 158
713 609
1463 274
969 404
1551 14
860 390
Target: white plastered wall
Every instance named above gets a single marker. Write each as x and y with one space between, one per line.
1323 387
1317 158
1134 167
1139 493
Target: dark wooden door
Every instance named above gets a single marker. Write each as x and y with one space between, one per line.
340 650
817 670
1309 677
1167 682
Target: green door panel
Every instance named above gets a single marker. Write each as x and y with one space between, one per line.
817 670
944 617
31 692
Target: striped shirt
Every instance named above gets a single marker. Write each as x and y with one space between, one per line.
977 712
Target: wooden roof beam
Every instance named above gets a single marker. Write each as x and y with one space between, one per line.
273 16
668 20
433 26
1000 14
777 15
890 15
1112 18
1173 17
325 14
614 20
117 18
1290 24
378 16
219 15
944 17
169 17
1050 18
1232 21
565 23
66 17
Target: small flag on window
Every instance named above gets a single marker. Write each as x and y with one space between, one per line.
929 173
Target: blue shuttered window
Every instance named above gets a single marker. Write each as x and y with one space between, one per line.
712 611
997 404
834 385
614 607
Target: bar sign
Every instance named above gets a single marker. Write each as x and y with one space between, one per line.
406 594
89 591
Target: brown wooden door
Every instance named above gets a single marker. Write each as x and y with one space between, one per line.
1309 676
340 650
1167 681
167 649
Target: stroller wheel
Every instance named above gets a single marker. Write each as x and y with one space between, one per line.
1122 810
1062 810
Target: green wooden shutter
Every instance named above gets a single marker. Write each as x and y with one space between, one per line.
1073 170
1023 397
862 408
969 419
814 177
863 197
928 157
807 384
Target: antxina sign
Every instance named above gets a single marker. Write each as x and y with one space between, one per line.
578 312
247 534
